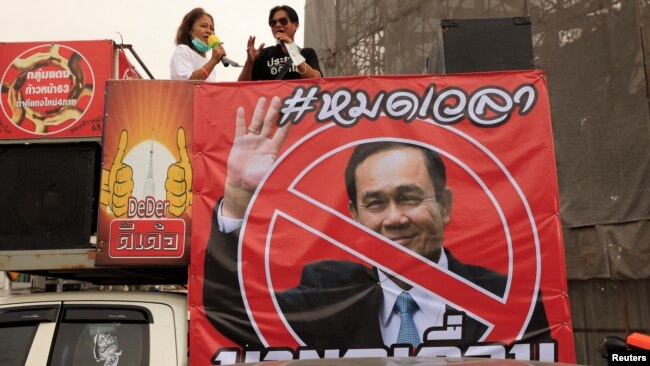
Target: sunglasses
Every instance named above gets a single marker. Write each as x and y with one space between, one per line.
283 21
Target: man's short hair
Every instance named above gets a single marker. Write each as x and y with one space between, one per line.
435 165
293 16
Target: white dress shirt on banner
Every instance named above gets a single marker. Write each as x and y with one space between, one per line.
430 312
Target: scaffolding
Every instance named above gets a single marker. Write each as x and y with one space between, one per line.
366 37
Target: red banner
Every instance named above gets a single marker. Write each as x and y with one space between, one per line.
145 211
124 68
54 89
354 191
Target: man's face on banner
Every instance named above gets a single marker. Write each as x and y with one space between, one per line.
396 198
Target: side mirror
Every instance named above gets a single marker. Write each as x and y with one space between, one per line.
609 344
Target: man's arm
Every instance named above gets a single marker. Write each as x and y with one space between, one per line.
253 152
222 300
538 328
246 73
310 68
252 54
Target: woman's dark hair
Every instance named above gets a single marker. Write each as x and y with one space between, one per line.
183 32
435 165
293 16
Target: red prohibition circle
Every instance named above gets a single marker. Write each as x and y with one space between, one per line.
278 199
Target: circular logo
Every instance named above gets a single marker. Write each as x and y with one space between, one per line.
48 89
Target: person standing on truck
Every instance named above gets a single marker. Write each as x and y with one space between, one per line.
190 60
284 60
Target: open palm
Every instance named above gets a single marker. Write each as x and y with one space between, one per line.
253 153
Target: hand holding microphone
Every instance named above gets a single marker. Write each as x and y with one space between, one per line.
213 41
292 48
282 37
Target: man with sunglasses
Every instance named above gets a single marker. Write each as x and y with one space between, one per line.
276 62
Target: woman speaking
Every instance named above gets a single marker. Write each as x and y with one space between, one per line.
190 60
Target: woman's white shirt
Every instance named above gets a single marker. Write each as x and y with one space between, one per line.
185 61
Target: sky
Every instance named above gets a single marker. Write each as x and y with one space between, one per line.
148 25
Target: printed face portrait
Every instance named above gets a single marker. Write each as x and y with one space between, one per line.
396 198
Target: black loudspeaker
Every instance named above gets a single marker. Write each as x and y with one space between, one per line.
48 195
492 44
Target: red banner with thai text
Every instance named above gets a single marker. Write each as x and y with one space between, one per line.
377 216
53 89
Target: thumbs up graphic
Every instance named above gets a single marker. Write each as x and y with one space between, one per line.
117 183
179 179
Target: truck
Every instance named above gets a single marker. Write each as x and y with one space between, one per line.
94 328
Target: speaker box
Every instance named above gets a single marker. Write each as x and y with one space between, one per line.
491 44
48 195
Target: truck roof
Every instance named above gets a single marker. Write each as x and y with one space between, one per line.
172 298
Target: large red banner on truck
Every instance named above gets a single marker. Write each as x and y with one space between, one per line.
377 216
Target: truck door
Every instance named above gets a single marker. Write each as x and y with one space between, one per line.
23 328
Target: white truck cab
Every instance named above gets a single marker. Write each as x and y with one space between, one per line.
94 328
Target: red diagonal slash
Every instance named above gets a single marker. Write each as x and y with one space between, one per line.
276 198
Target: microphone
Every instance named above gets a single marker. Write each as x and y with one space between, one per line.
228 62
213 40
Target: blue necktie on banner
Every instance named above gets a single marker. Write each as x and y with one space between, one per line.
407 331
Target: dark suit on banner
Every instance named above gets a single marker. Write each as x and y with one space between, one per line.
336 304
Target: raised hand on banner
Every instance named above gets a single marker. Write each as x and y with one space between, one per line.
17 113
64 114
253 153
37 119
117 182
179 179
39 57
20 114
